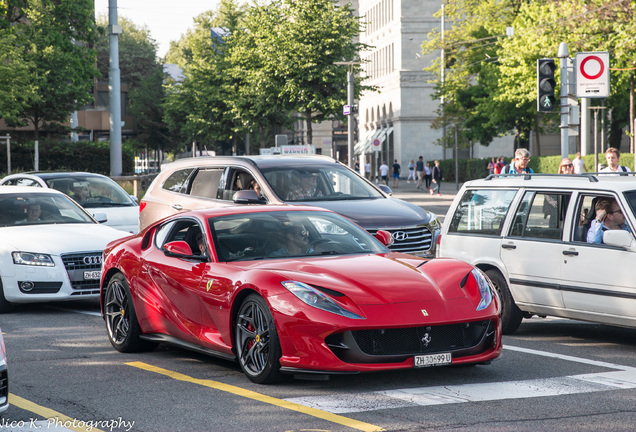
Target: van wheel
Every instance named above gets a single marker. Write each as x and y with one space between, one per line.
511 315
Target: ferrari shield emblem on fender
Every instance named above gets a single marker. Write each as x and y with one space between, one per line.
208 286
424 312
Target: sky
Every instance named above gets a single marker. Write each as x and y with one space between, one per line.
166 19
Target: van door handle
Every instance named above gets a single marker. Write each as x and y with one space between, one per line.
508 246
570 253
177 206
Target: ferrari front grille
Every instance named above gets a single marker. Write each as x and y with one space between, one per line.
396 344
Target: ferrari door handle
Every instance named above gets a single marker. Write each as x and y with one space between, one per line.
570 253
177 206
508 246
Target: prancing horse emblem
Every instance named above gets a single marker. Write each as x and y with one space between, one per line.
426 339
424 312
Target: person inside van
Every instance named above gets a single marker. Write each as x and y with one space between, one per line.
609 216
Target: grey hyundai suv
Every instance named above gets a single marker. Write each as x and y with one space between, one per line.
320 181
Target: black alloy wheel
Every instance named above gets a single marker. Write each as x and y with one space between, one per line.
256 341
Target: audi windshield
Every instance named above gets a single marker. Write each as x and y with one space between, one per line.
40 209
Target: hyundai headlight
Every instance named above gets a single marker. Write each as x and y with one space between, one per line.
485 289
33 259
317 299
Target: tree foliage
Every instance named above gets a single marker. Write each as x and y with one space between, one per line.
276 58
55 56
498 72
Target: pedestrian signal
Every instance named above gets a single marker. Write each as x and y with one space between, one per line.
546 86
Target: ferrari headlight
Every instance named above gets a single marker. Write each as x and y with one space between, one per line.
485 289
33 259
317 299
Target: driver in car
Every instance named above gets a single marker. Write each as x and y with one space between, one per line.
295 242
306 189
81 192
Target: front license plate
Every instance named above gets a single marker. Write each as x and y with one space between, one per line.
91 275
433 360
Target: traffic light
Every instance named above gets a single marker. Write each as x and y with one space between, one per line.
546 85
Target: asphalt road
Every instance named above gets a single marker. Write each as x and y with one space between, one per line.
554 375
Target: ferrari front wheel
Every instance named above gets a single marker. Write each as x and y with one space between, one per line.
256 341
121 321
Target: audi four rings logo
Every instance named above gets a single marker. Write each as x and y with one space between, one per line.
399 235
88 260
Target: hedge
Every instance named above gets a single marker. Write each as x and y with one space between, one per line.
64 156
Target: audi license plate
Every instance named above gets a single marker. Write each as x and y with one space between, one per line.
92 275
433 360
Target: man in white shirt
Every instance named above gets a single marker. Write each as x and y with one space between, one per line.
579 164
384 172
613 157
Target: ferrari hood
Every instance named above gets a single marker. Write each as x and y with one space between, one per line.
379 279
60 238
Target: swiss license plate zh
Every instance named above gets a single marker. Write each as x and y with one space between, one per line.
440 359
92 275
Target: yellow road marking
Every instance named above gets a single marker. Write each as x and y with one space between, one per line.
334 418
47 413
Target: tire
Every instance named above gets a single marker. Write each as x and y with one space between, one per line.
121 320
5 306
256 341
511 315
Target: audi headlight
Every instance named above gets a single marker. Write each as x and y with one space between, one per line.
317 299
485 289
33 259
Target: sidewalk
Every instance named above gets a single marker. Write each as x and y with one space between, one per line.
423 198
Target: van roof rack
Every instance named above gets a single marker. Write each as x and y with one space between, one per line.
592 177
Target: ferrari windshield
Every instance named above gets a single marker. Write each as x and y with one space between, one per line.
282 234
318 183
40 208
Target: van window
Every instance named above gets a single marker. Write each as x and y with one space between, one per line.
482 211
541 215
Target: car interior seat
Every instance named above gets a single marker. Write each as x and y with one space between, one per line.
191 239
586 220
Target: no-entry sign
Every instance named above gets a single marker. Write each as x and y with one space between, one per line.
592 74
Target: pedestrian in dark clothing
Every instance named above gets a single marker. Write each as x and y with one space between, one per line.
419 171
396 173
437 179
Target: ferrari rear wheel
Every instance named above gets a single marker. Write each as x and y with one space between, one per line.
256 341
121 320
511 315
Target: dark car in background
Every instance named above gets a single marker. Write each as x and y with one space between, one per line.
205 182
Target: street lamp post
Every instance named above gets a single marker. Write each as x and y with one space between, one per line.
350 64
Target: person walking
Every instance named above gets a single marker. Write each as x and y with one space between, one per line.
419 170
436 188
579 164
396 174
411 172
519 164
384 172
428 175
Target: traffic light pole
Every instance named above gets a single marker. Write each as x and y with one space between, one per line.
563 55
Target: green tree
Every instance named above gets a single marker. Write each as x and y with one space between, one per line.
54 41
14 80
301 40
480 54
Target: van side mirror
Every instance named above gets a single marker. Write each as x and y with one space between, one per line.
247 196
619 238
